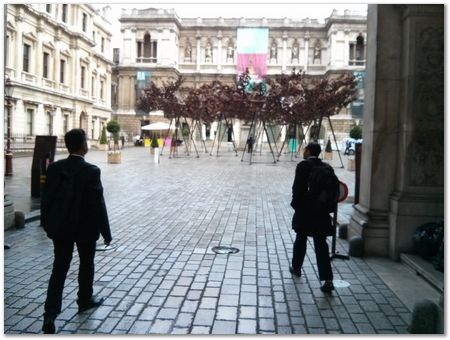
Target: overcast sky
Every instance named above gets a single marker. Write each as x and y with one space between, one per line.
230 9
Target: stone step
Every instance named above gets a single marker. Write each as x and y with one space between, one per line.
425 269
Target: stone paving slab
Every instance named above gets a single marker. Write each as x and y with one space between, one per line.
163 278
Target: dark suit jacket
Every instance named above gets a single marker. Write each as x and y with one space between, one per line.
89 203
304 221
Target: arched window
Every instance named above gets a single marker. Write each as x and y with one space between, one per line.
146 50
357 51
359 48
147 46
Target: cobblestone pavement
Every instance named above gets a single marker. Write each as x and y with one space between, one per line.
163 278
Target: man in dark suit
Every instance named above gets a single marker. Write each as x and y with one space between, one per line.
307 223
84 219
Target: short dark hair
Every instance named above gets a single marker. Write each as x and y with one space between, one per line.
314 148
75 140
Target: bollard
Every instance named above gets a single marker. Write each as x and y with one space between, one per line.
425 318
356 246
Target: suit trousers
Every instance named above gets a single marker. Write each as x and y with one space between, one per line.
322 255
63 250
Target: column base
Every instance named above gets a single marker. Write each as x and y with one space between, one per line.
373 227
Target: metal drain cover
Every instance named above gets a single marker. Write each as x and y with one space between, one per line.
224 250
341 283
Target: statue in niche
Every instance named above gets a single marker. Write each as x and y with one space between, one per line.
230 53
295 53
208 52
317 52
273 51
188 52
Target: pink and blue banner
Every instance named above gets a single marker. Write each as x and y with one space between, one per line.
252 44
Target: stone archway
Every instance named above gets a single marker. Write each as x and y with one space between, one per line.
402 171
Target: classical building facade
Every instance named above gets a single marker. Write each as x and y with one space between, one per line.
58 59
158 45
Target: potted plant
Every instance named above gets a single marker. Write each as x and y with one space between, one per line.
103 141
155 148
328 154
356 134
114 156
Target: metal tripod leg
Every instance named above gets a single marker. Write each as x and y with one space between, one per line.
334 253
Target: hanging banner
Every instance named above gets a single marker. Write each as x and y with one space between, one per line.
142 81
252 51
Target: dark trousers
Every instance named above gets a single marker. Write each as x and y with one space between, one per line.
322 255
63 256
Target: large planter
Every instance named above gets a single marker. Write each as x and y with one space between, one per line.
114 157
351 164
103 147
328 156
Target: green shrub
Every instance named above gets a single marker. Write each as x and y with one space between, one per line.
113 127
356 132
103 139
154 143
328 146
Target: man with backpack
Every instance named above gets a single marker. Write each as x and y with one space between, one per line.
314 197
73 212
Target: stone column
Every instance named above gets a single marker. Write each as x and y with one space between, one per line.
56 62
133 46
307 36
219 51
199 54
402 168
346 47
283 61
39 71
18 55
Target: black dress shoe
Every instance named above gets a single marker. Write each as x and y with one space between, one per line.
92 303
49 325
327 287
296 272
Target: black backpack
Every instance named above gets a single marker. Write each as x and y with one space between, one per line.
323 188
60 217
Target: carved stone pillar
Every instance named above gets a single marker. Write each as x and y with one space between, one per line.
307 36
219 51
283 60
402 168
199 55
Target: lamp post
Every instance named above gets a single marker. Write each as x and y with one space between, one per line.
9 88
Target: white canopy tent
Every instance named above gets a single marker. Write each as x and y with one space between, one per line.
158 126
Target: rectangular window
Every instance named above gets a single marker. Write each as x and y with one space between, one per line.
48 8
49 123
84 22
93 35
26 57
154 50
83 76
116 55
139 49
103 45
65 123
30 116
92 128
62 71
64 13
45 65
93 87
102 85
